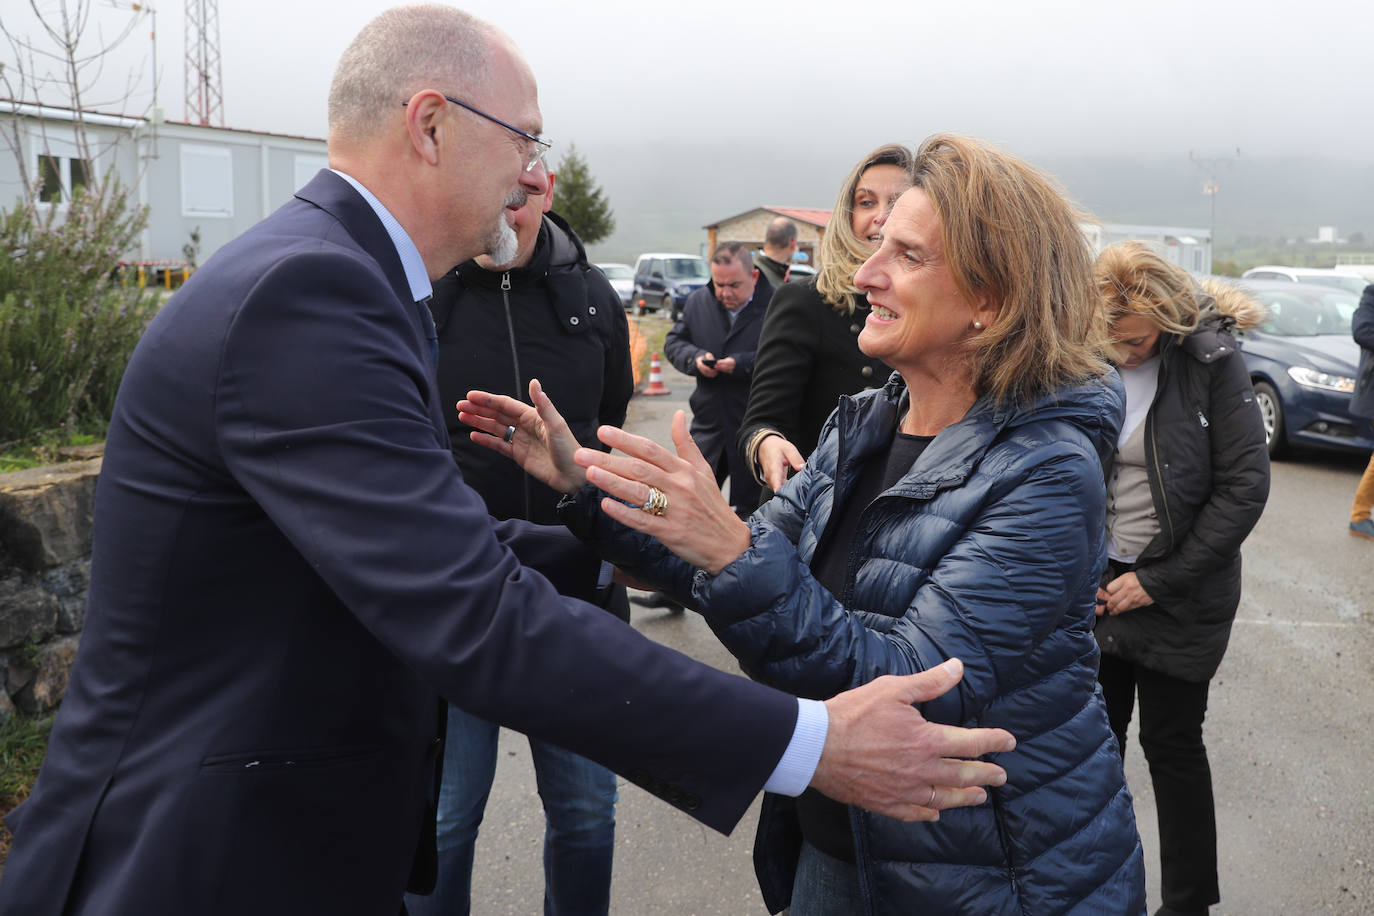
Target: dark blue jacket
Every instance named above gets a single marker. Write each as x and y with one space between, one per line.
988 550
287 570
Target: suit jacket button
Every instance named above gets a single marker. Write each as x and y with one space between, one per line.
691 802
855 328
866 372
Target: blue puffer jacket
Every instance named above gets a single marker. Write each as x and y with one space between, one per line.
989 549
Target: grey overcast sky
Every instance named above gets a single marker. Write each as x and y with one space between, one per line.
692 111
1059 77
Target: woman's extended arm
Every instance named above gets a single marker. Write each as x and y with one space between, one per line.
999 588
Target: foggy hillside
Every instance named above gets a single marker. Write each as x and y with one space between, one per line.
662 195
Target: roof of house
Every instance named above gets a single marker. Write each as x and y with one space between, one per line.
112 119
810 215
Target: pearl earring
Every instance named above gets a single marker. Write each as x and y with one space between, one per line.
978 325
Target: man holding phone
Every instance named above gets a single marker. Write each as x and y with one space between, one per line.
715 340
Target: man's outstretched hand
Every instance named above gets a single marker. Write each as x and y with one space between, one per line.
881 754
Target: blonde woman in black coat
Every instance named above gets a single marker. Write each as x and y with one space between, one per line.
1189 481
808 351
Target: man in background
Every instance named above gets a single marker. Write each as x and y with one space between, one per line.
714 341
546 315
779 245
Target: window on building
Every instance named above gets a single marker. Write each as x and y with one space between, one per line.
207 181
60 176
50 178
80 174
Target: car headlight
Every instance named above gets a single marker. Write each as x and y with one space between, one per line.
1311 378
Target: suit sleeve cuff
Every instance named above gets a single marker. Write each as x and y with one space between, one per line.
798 764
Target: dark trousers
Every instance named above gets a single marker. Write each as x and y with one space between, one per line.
1171 714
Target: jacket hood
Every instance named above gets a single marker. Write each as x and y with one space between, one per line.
557 247
1094 407
1223 307
565 248
1240 304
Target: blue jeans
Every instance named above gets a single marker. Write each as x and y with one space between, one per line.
824 886
579 809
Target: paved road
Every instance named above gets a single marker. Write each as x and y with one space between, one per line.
1288 730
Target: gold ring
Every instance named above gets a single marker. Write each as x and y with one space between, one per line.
931 804
510 434
657 503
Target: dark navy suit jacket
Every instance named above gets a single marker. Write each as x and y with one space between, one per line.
287 569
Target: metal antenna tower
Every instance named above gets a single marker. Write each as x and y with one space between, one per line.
204 82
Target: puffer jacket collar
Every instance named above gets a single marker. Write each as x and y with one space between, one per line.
866 420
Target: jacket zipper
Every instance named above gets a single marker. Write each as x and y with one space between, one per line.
520 393
1155 483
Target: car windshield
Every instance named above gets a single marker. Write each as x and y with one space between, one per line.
687 269
1308 316
617 272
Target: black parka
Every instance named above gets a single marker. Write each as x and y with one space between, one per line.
558 320
1209 479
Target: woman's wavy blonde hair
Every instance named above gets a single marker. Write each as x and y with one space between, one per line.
842 252
1134 279
1009 233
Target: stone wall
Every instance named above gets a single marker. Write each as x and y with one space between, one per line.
45 561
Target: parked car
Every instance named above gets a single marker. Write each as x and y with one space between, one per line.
622 277
1302 362
1322 276
664 280
800 273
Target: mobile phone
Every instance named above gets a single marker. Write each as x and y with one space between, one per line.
709 362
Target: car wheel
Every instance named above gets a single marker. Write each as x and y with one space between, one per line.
1271 414
666 306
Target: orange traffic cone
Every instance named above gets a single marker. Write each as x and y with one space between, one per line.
656 385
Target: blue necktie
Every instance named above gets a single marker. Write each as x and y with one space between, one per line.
431 335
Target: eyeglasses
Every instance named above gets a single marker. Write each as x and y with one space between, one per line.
539 146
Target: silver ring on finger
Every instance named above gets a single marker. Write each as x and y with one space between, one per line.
656 503
931 804
510 434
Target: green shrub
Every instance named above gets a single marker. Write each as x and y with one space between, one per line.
68 321
23 742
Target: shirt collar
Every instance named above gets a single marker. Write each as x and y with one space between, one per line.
411 262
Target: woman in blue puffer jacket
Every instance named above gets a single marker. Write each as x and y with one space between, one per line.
955 513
